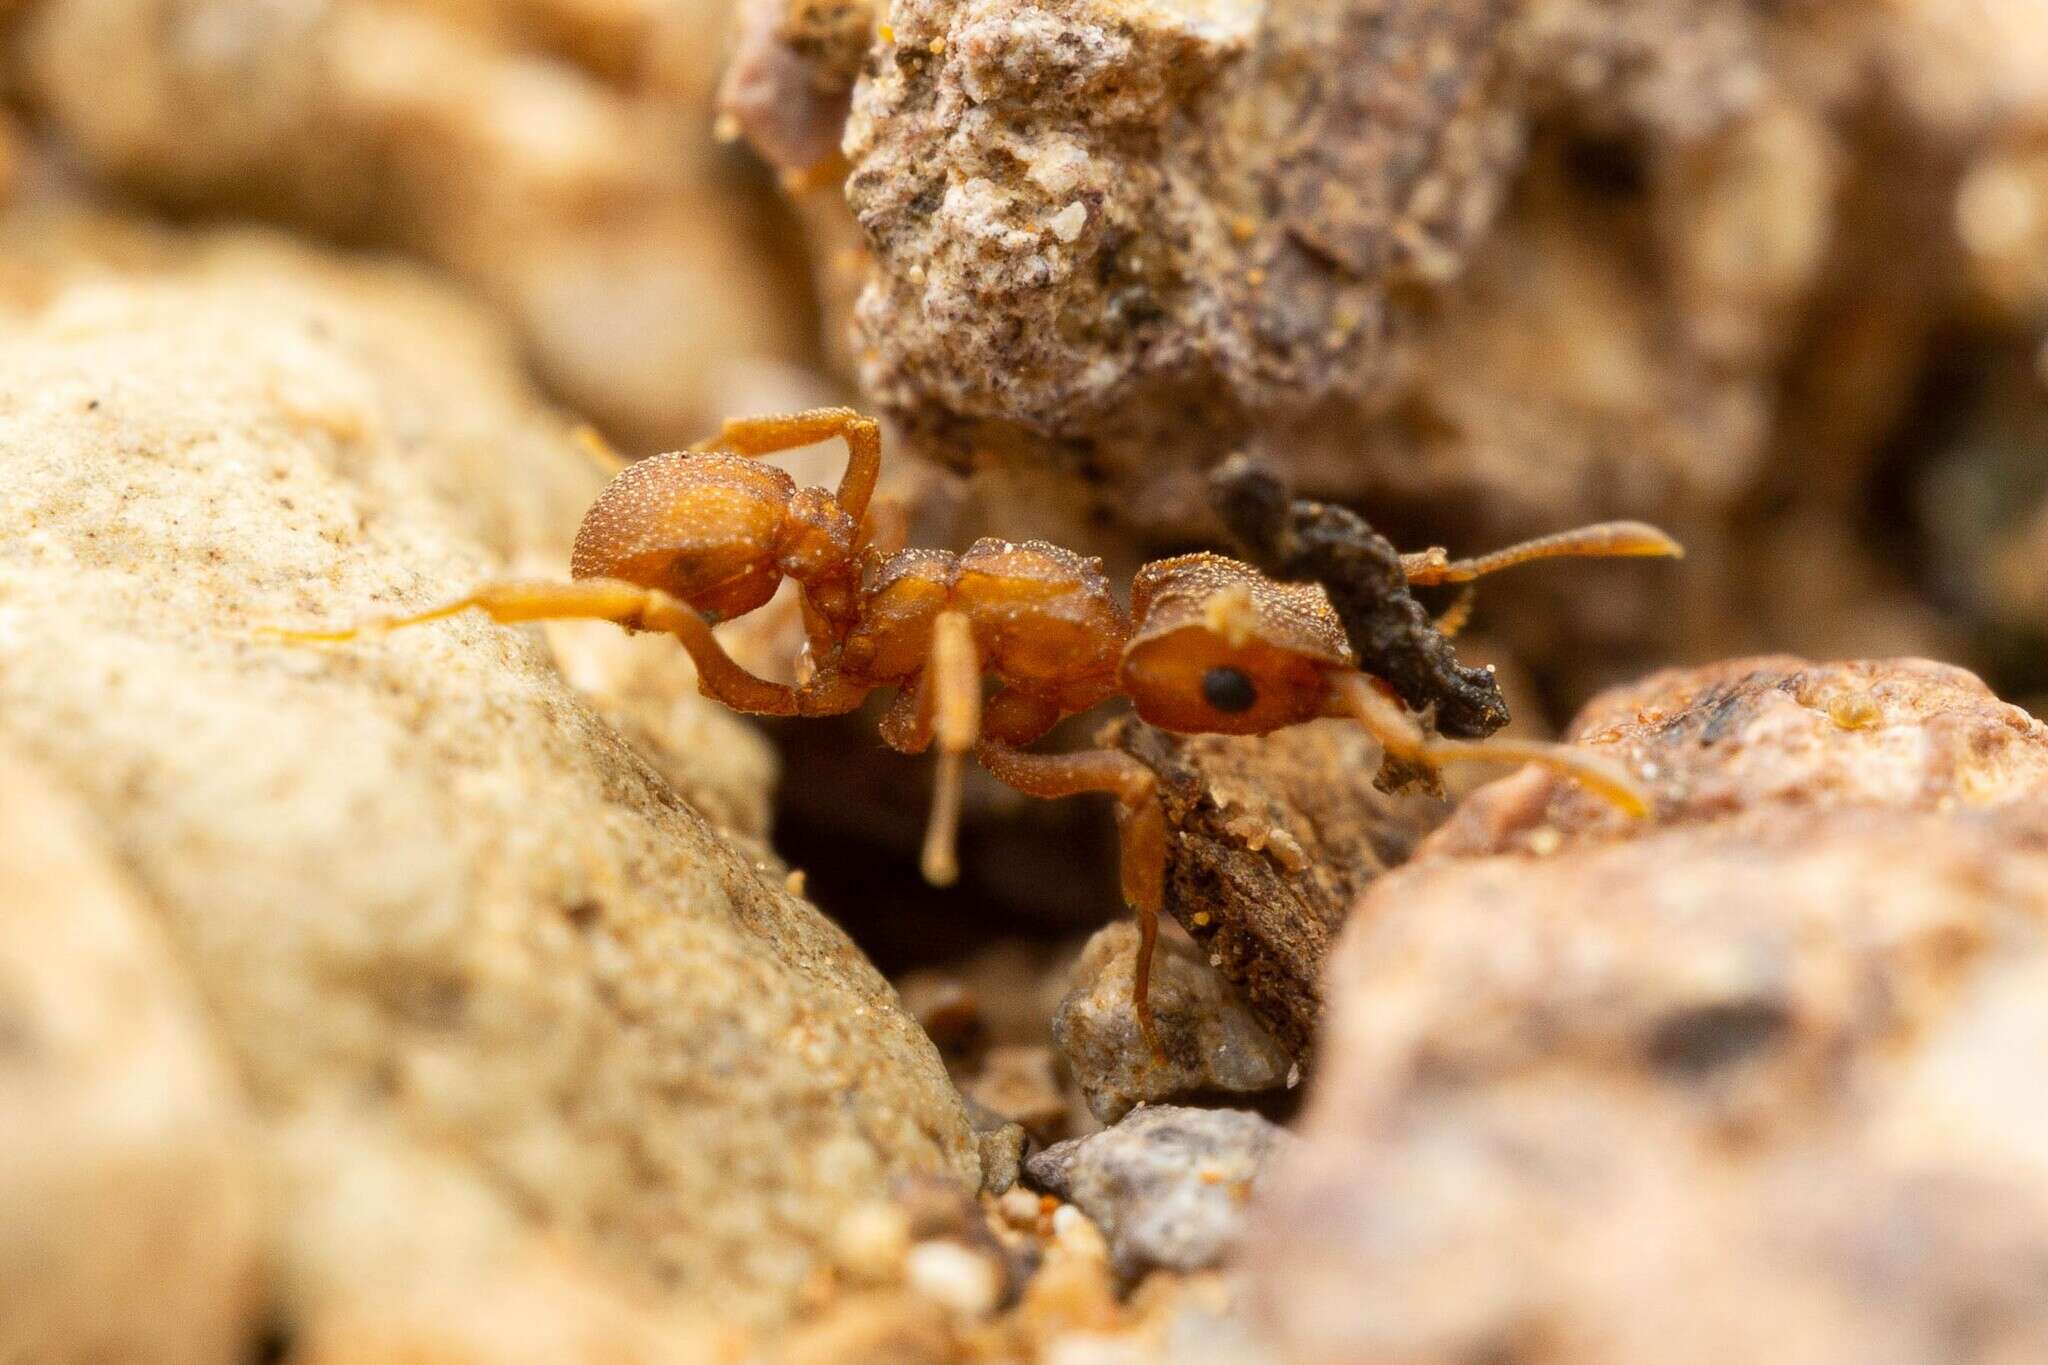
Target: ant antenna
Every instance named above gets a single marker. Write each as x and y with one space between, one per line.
1604 540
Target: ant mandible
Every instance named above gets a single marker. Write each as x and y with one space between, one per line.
678 543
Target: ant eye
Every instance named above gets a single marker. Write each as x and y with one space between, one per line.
1229 690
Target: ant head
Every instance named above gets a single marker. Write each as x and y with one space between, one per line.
1219 648
717 531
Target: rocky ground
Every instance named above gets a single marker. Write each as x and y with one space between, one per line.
485 994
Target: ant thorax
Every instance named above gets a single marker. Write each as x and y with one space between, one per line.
1043 619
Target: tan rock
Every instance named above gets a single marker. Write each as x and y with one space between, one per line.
1022 1084
487 976
128 1228
1754 1080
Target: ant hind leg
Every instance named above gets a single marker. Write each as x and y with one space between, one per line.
604 599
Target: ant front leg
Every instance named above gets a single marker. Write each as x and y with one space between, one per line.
603 599
767 435
1374 706
1141 824
945 704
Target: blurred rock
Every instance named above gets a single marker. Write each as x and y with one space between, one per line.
13 155
1001 1142
1002 996
1214 1045
791 76
599 219
1169 1185
500 994
1754 1079
128 1218
1021 1084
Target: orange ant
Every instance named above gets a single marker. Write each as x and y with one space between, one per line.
680 542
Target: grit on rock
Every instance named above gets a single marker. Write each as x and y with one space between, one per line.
526 1036
1756 1080
1273 837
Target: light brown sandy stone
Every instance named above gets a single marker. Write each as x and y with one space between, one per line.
128 1214
485 974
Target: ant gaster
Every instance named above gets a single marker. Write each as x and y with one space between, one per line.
679 542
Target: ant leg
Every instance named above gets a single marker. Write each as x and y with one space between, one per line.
951 688
766 435
944 705
1606 540
604 599
1364 700
1142 826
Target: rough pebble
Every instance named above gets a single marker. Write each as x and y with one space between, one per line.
1905 734
1214 1045
1169 1185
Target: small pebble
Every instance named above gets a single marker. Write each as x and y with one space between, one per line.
1076 1232
873 1240
1019 1207
953 1276
1166 1187
1094 1348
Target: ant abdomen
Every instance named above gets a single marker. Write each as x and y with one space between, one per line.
705 528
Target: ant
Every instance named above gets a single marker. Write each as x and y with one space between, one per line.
680 542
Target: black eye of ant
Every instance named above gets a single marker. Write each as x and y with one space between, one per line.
1229 690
